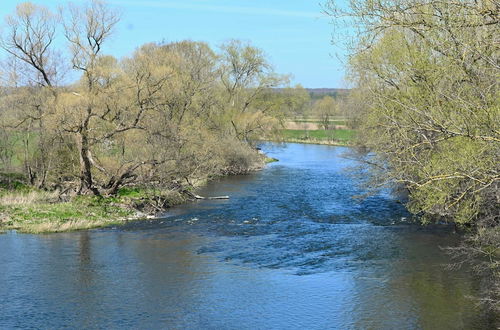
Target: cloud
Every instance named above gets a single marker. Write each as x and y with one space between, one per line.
218 8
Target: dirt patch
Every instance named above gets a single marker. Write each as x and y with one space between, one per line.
303 126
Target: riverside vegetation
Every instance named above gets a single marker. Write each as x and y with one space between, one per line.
426 104
319 116
87 139
331 116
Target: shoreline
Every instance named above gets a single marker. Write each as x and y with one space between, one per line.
79 213
30 211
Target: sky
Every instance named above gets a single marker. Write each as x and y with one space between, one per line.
294 34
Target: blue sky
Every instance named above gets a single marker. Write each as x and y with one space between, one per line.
293 33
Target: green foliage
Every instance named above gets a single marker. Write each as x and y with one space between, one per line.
130 192
269 160
296 101
427 103
12 181
171 112
448 190
324 109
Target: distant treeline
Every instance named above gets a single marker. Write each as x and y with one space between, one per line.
318 93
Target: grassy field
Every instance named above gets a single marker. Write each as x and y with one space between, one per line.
337 136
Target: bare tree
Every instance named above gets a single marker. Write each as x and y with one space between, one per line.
28 38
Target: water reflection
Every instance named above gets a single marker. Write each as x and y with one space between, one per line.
290 249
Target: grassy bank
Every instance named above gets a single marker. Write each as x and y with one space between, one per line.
331 137
35 211
29 210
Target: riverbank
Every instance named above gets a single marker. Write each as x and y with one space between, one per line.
30 210
35 211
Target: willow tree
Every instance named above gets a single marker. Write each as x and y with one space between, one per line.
89 118
248 79
428 72
181 123
324 109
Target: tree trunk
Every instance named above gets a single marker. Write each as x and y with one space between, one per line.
86 180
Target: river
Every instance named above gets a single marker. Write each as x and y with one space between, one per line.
291 249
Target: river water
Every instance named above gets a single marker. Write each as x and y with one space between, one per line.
291 249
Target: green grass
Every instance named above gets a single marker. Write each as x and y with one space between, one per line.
29 210
131 192
317 121
269 160
34 213
18 185
340 135
16 141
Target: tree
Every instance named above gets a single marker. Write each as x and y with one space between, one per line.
427 74
296 101
248 78
28 38
168 115
324 109
86 30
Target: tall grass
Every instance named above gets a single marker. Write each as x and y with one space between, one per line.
12 198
